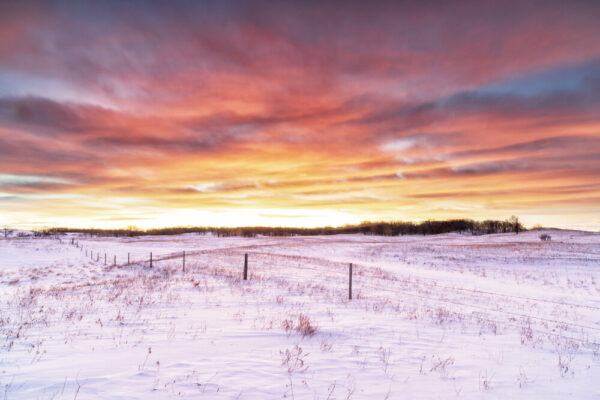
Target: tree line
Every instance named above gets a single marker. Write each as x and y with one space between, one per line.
397 228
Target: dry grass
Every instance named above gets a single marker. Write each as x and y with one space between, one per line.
304 326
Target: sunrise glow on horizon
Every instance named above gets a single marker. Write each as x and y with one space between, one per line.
298 114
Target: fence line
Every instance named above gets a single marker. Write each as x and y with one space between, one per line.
367 272
175 255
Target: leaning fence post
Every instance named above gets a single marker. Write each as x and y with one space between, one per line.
246 266
150 259
184 261
350 283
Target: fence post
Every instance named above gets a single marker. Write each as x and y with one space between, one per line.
184 261
104 258
246 266
150 259
350 283
115 262
97 256
127 258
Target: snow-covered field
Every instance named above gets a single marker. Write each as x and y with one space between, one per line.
435 317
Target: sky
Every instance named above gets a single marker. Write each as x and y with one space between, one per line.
275 113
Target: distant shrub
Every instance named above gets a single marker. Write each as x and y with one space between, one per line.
545 237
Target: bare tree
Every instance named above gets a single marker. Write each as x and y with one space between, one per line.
515 223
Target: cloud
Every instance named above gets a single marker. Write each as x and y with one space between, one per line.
552 105
44 116
18 185
562 143
492 167
219 187
10 180
185 104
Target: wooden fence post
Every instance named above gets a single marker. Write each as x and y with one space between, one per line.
184 261
350 283
115 262
246 266
127 258
104 258
150 259
97 256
